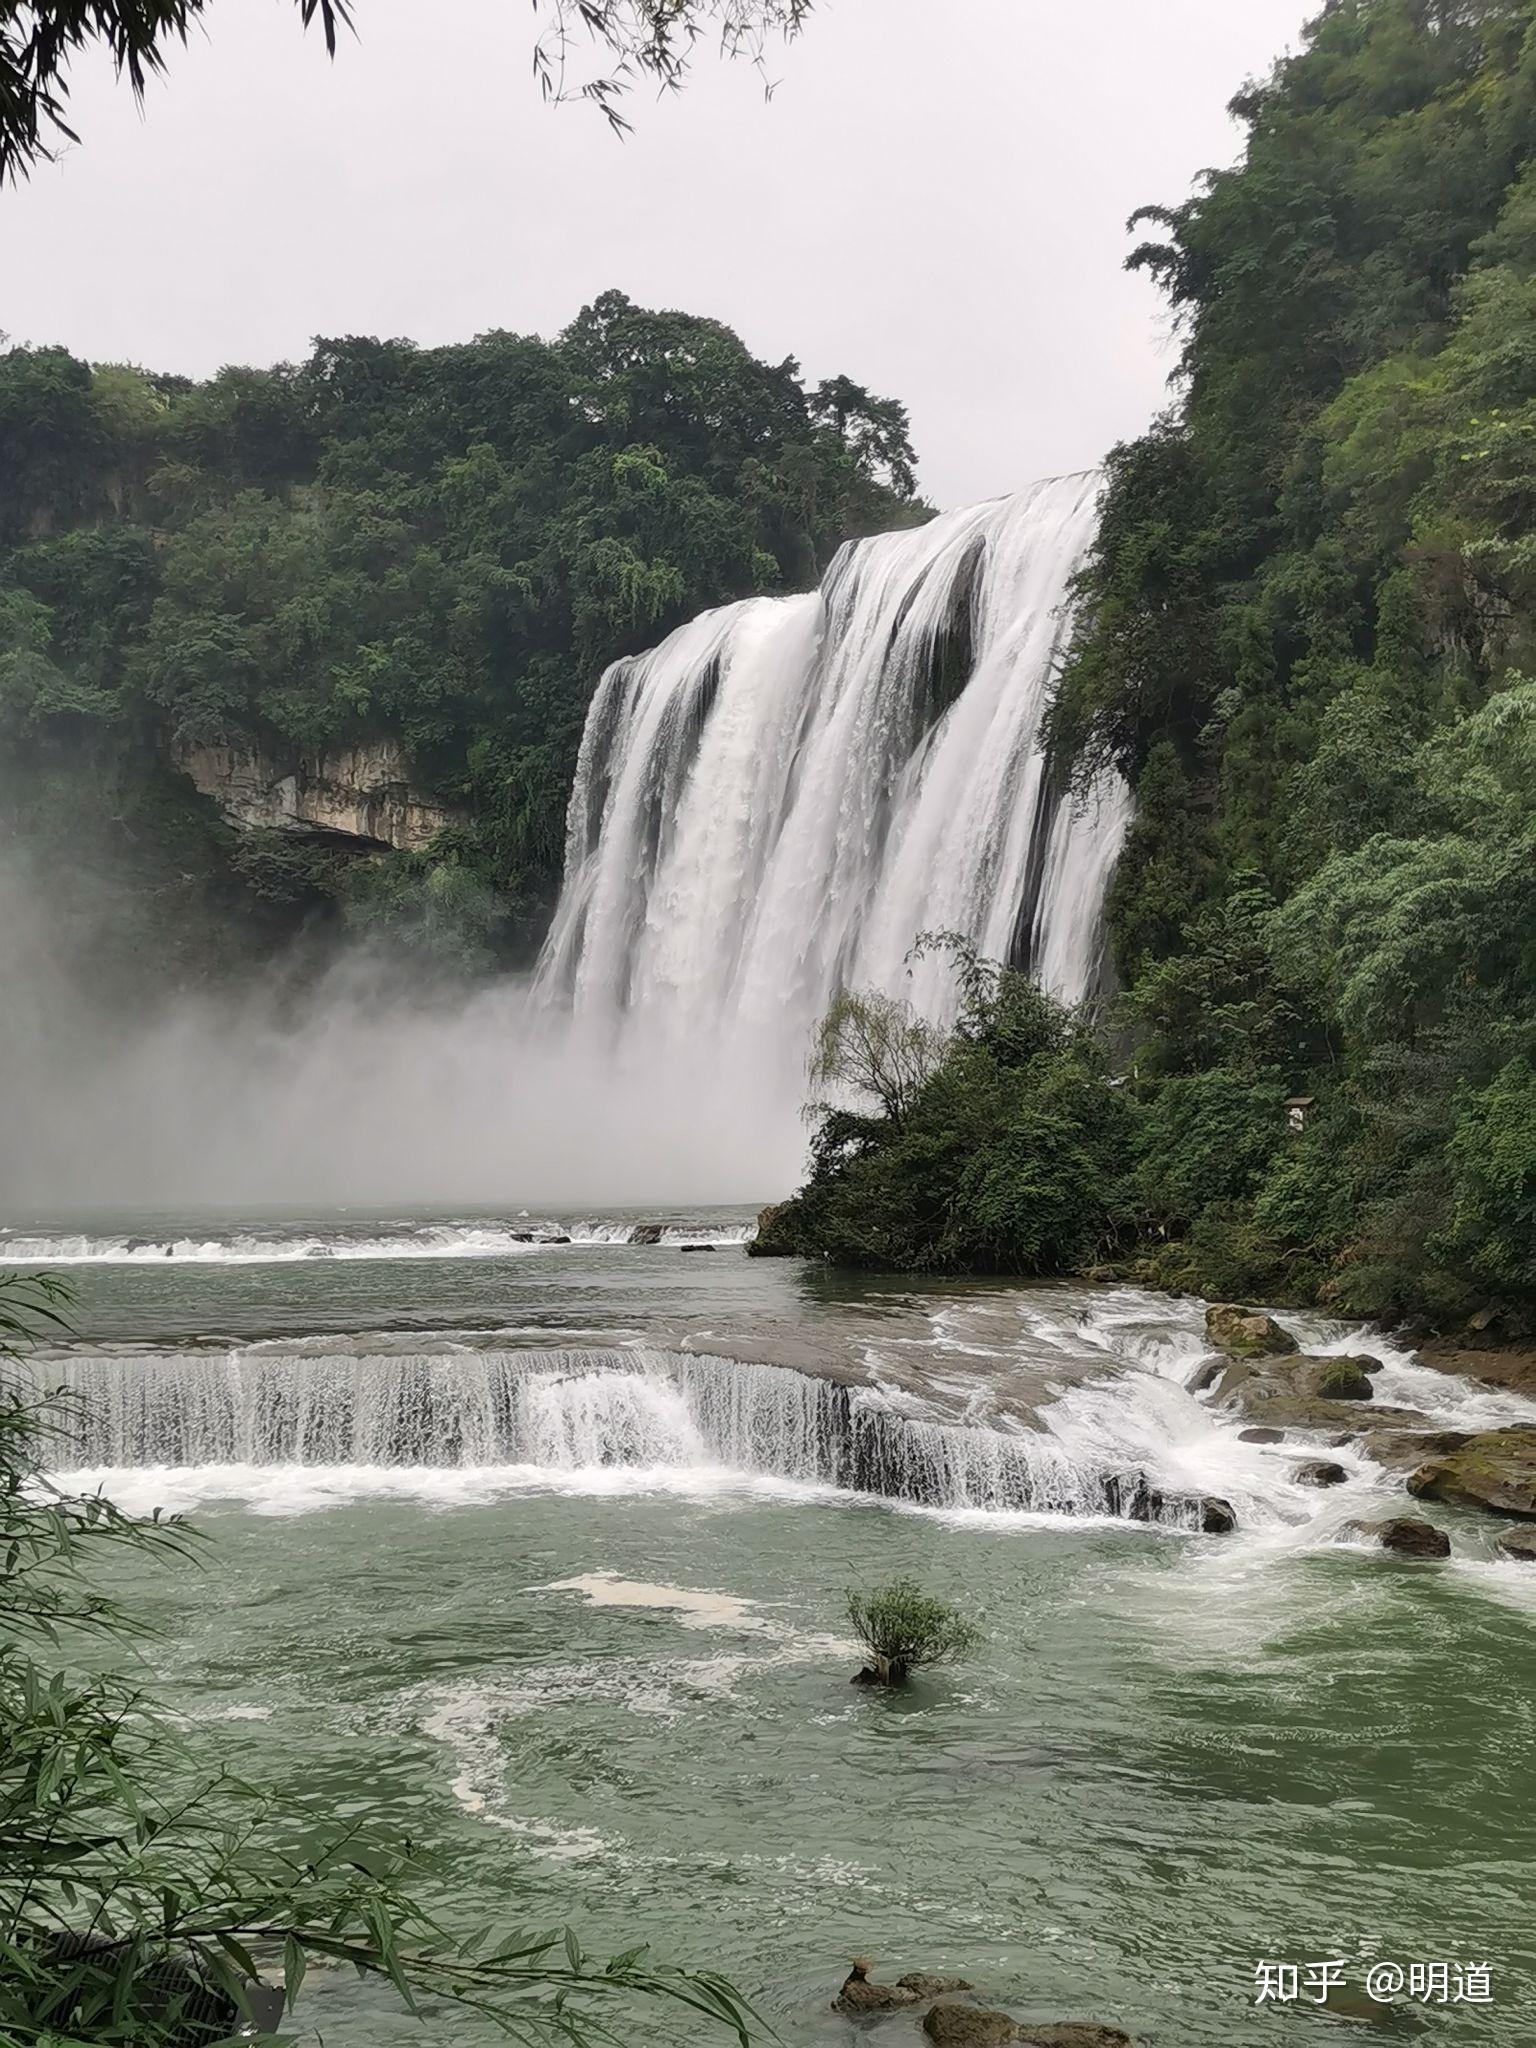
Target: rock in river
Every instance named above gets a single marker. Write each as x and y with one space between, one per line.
1407 1535
1496 1470
1245 1332
923 1984
1319 1472
1519 1544
969 2026
859 1995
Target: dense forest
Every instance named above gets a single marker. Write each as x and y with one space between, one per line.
442 546
1307 634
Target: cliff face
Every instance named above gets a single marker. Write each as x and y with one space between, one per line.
360 793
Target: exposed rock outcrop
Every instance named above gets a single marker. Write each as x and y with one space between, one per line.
1401 1450
1245 1332
364 794
1407 1535
1303 1392
1519 1544
1496 1470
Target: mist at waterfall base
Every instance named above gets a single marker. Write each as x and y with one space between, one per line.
770 805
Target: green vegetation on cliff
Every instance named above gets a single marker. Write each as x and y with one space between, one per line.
1307 635
438 547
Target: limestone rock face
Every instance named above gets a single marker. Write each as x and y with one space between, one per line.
1245 1332
1303 1392
363 793
1496 1470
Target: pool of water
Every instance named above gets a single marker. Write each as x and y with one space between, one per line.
618 1694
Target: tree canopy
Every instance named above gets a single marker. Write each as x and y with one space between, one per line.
441 547
1305 633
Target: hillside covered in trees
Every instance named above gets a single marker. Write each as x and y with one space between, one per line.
1307 635
441 547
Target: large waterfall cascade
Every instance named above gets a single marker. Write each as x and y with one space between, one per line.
774 802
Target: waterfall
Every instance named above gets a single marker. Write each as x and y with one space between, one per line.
774 802
561 1412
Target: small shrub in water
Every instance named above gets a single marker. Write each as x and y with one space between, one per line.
902 1627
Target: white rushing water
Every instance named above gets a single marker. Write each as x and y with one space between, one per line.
778 799
562 1415
271 1246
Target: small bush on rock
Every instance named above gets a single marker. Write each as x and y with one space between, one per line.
902 1627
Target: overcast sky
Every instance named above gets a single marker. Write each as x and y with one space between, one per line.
933 202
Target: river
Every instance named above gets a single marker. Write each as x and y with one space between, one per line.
538 1548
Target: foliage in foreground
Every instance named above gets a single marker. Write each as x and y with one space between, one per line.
145 1902
904 1628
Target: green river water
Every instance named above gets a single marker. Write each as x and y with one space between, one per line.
616 1693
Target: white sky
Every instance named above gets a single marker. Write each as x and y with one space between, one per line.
933 202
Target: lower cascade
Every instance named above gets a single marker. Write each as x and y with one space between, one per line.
567 1411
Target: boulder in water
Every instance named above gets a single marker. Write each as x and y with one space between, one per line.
859 1995
1245 1332
1403 1449
646 1233
1261 1436
1302 1392
1406 1535
969 2026
1216 1516
923 1984
698 1247
1496 1470
1319 1472
1518 1544
1341 1379
1072 2034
